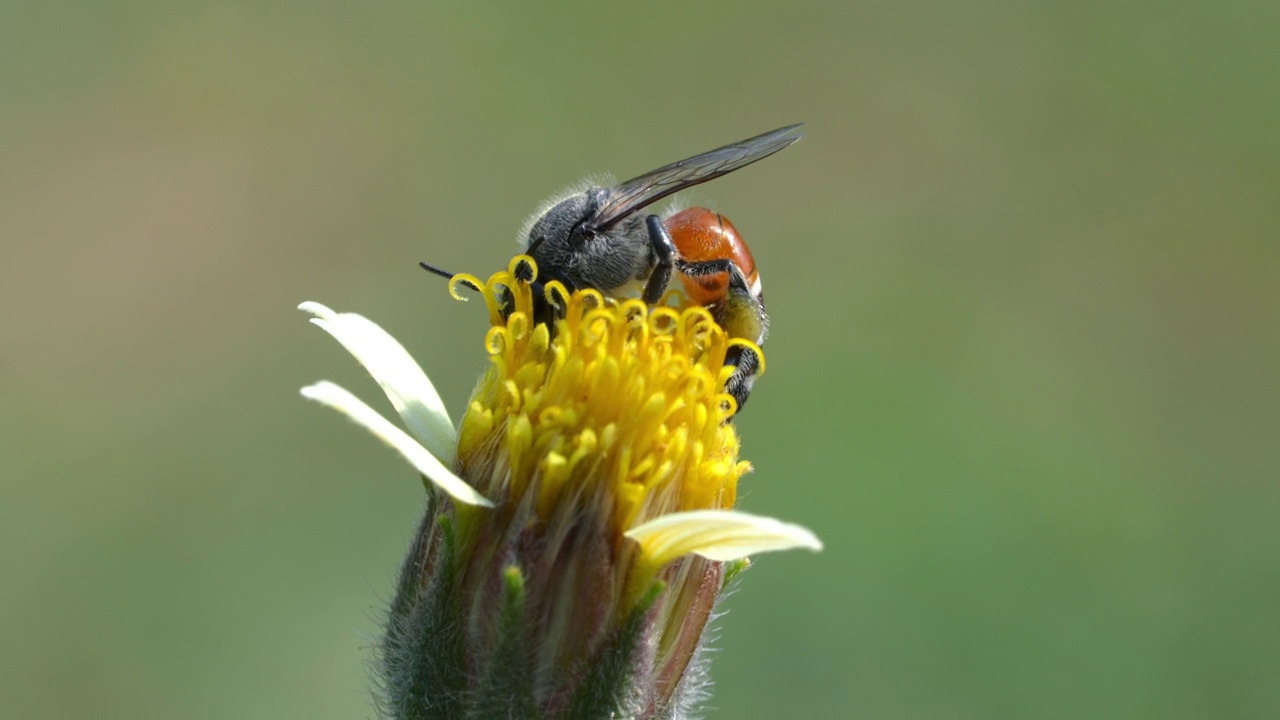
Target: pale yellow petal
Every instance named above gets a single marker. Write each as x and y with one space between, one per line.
721 535
402 379
425 462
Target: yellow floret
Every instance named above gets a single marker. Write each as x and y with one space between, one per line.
616 406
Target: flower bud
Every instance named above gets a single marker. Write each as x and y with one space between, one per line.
572 553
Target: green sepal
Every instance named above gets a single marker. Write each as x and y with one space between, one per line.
422 650
732 570
407 593
608 689
506 691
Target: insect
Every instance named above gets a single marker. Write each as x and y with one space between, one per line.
599 238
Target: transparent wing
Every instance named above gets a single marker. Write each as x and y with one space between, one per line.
652 186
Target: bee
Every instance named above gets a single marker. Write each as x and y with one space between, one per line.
598 238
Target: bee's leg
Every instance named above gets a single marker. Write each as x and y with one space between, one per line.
664 255
746 364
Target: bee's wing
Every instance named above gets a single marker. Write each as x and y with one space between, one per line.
652 186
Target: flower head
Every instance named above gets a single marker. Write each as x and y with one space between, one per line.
581 528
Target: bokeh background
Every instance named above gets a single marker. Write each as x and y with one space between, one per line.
1022 380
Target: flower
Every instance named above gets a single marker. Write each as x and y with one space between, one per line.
579 525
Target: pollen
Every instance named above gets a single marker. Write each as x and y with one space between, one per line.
598 407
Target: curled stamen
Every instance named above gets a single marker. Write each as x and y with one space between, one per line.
518 325
728 406
526 263
591 298
671 298
557 296
470 282
748 345
664 320
497 340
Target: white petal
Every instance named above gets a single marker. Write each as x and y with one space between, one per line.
401 378
426 463
717 535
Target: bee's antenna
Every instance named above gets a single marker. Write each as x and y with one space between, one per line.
436 270
447 276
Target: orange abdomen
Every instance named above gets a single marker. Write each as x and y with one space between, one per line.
700 234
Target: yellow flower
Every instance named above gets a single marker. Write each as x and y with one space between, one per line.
580 525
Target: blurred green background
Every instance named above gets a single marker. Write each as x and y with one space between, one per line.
1022 379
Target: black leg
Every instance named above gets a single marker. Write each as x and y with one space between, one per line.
664 255
745 366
